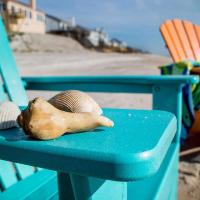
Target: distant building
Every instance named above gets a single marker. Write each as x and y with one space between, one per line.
55 24
98 37
118 44
20 17
25 18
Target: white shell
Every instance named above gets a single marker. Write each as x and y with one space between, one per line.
9 112
75 101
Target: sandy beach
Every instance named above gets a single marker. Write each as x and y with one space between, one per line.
93 63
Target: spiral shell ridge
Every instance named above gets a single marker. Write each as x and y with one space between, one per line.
75 101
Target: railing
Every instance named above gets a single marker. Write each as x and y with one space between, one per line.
16 15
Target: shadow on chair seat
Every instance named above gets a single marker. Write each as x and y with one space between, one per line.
40 185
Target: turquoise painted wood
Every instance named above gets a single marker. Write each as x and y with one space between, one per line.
93 188
16 93
139 159
24 171
9 72
65 186
2 92
41 185
138 149
172 104
159 180
160 86
7 175
159 186
125 84
104 154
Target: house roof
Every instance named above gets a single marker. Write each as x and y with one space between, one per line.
55 18
18 2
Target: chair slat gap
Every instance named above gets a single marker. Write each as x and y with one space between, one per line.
197 32
7 174
23 171
1 186
16 171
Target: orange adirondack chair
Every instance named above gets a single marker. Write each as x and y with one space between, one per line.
182 38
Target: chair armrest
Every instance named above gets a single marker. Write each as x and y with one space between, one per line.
129 151
166 90
140 84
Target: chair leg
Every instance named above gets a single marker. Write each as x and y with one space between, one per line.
89 188
173 194
65 186
174 191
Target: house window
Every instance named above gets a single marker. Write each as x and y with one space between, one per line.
26 13
40 18
13 10
65 26
2 6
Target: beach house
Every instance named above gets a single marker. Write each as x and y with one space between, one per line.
21 17
98 37
53 23
26 18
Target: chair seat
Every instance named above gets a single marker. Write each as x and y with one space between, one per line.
41 185
138 158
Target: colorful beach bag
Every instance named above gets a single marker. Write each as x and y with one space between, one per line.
191 95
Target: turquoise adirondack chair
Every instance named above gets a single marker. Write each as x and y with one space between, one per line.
137 159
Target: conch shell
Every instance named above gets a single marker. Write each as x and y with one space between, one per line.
43 121
75 101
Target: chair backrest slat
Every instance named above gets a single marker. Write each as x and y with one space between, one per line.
197 31
10 75
10 173
7 174
169 42
24 171
192 38
180 53
182 39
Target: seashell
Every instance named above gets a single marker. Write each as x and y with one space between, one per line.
8 115
75 101
43 121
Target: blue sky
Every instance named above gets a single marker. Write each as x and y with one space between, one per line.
133 21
